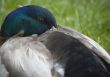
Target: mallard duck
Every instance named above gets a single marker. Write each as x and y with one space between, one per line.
74 55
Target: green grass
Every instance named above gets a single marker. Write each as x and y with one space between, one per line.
90 17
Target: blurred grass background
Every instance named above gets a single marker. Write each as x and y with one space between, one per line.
90 17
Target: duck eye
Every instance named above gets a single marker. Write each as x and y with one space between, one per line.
40 18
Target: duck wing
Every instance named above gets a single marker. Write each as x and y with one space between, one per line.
70 48
89 43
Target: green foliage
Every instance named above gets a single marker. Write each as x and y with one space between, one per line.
90 17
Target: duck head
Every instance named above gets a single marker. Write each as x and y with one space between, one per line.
29 19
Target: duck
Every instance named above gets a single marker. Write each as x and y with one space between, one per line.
74 54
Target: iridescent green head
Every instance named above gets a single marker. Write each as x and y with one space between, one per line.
30 19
